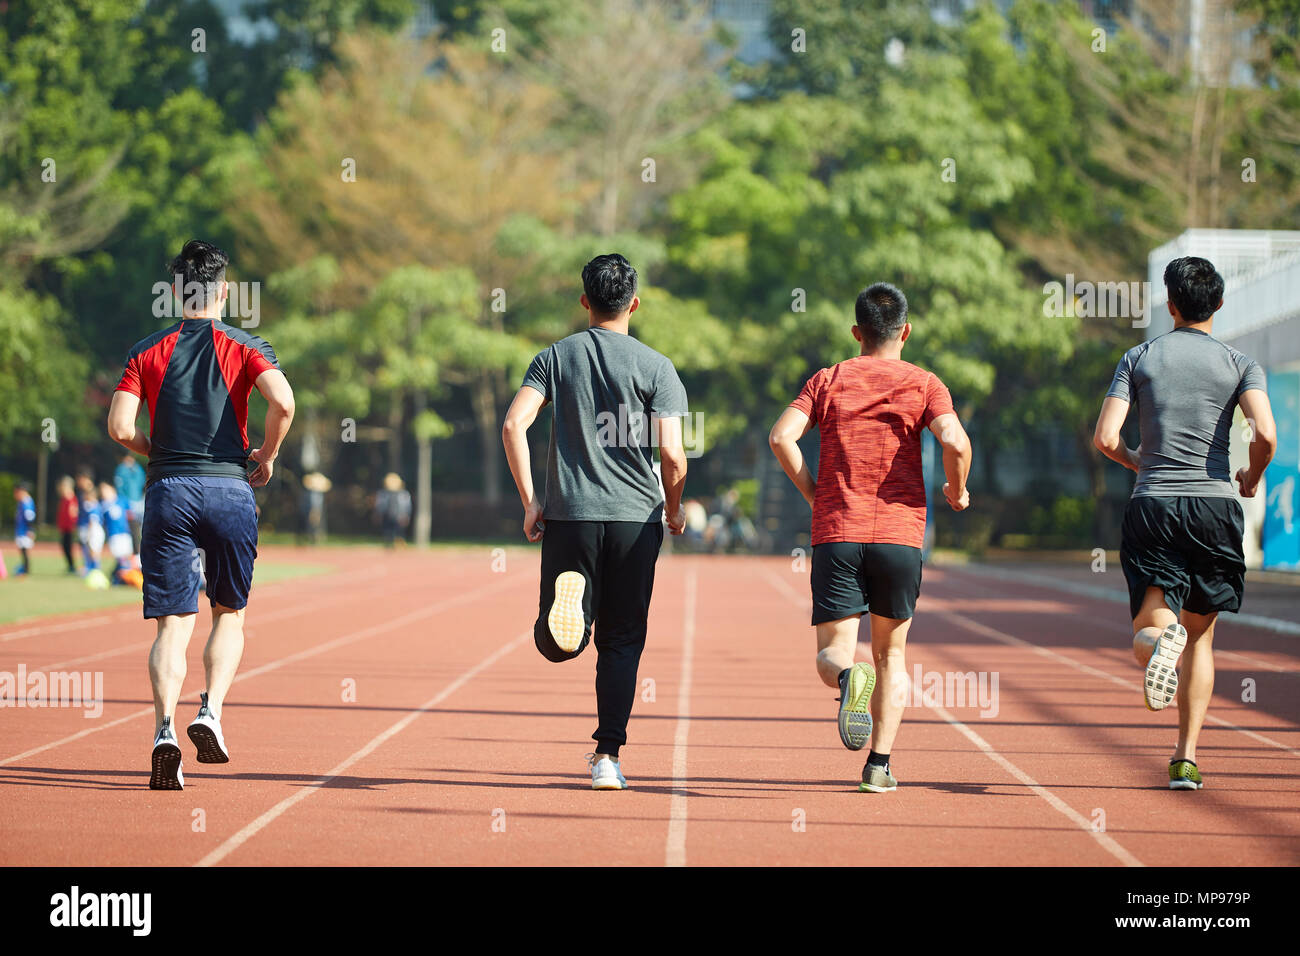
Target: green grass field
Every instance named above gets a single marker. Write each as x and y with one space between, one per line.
49 589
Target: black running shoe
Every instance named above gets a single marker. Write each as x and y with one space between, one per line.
205 732
166 773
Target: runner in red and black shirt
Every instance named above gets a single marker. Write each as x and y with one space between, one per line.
200 519
868 523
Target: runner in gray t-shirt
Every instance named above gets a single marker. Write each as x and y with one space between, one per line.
1181 547
601 520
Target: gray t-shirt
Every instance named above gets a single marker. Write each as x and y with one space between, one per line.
607 391
1185 385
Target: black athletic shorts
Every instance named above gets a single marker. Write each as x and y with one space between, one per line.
850 578
1188 547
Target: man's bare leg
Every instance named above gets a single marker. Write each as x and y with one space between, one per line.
837 646
222 654
167 664
1196 682
888 650
1152 619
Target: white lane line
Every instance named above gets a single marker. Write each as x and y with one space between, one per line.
131 612
1107 842
74 625
1001 637
979 589
675 851
306 607
252 829
1276 625
361 635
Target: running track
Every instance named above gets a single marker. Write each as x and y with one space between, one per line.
464 746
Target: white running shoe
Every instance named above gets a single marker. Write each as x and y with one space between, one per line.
166 770
605 773
1160 684
205 732
567 622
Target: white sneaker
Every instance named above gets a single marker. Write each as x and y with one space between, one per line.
605 773
1160 683
166 762
205 732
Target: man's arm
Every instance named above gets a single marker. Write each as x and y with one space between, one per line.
672 467
122 412
279 415
784 442
1263 444
514 435
1106 437
955 443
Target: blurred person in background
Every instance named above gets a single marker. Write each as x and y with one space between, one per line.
117 534
128 480
393 509
87 522
24 526
67 519
312 506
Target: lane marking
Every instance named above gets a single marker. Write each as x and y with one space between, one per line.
252 829
371 631
306 607
1105 841
675 850
1004 638
131 612
1276 625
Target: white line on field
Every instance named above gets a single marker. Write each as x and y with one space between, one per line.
675 853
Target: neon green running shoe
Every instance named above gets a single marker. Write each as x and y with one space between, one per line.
856 685
1183 775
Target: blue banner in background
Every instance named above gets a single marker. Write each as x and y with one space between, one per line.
1281 531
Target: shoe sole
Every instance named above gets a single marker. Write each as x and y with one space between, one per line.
855 707
607 785
1160 684
207 744
566 619
872 788
1185 785
166 771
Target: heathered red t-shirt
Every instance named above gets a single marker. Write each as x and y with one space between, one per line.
871 413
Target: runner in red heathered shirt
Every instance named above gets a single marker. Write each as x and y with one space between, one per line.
868 504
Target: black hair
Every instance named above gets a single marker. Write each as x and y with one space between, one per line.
1195 287
881 312
610 284
200 267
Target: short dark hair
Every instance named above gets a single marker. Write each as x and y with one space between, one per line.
610 284
22 486
1194 286
881 312
201 265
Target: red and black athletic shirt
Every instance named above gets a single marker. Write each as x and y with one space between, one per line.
196 377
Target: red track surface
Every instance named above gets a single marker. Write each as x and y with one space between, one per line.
464 746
